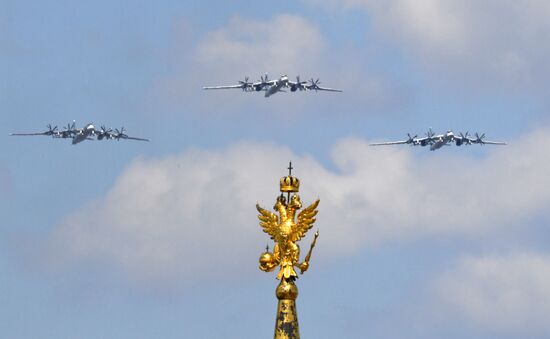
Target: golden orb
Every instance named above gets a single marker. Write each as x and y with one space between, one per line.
286 290
267 262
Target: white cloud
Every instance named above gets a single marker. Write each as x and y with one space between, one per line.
284 44
508 294
244 47
192 215
500 42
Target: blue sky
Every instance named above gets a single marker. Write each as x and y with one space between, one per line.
160 239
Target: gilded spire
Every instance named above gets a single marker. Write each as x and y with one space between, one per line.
286 230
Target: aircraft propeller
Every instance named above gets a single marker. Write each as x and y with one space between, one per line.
120 134
314 84
263 79
262 83
104 133
465 139
299 85
68 131
479 138
411 139
462 139
51 131
245 84
430 133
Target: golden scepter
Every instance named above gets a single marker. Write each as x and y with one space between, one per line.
304 266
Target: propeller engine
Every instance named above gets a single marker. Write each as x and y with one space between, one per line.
314 84
299 85
120 134
68 131
104 133
411 139
245 85
479 139
430 133
51 131
429 136
263 82
463 139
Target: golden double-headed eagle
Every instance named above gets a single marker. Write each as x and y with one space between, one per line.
286 232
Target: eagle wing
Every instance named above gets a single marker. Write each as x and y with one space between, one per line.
269 221
306 218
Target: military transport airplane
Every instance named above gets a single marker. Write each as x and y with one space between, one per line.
438 141
277 85
88 132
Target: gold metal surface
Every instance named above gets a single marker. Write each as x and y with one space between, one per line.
286 324
286 232
289 184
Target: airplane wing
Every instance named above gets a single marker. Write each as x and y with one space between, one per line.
223 87
390 143
479 140
26 134
411 141
464 140
261 85
494 142
298 84
328 89
428 140
133 138
314 85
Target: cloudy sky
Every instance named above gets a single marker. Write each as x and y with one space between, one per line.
161 240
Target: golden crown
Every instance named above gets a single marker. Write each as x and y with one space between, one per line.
290 184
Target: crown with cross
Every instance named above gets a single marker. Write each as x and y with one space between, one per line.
289 183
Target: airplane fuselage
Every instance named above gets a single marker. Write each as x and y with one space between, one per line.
442 140
83 134
437 145
276 87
